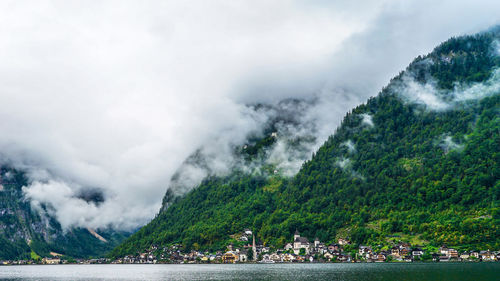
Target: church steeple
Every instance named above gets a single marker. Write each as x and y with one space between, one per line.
254 247
296 235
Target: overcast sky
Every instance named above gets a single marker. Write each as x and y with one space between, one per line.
114 95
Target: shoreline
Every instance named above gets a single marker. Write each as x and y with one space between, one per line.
261 263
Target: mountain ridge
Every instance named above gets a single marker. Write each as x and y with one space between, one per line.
26 233
396 166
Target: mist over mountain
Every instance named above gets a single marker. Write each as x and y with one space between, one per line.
28 231
286 134
418 162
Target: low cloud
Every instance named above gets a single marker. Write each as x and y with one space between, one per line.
114 96
346 165
428 95
367 120
351 148
447 144
296 130
463 93
343 163
424 94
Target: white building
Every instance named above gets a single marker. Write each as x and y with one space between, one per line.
300 243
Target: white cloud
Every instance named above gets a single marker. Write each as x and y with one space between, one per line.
367 120
447 144
115 95
490 87
343 163
435 99
351 147
424 94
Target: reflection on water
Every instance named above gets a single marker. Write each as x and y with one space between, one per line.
316 272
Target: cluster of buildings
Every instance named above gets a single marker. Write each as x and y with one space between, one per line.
299 250
302 250
56 260
450 254
405 252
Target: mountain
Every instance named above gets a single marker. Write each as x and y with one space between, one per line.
280 143
419 162
26 233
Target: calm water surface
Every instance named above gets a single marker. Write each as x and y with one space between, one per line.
316 272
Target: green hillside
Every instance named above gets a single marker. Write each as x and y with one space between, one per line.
396 168
25 234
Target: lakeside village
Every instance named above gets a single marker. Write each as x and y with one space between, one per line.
301 250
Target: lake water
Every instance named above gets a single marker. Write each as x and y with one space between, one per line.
316 272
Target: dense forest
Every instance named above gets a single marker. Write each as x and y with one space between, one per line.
395 170
25 233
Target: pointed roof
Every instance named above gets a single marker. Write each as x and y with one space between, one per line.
302 240
297 232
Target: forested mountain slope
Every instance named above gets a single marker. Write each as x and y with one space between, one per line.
26 234
419 161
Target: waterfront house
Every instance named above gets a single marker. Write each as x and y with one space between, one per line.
464 256
328 256
51 260
288 257
218 256
408 258
365 251
444 258
266 257
344 258
487 256
453 254
417 252
380 257
243 257
474 254
275 257
230 257
443 250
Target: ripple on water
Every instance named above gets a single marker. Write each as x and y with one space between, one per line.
316 272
